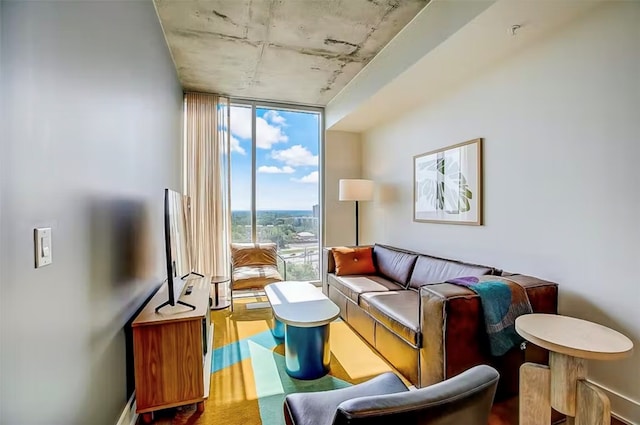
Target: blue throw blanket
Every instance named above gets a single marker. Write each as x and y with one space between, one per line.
502 301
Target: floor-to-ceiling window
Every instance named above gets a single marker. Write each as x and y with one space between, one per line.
275 194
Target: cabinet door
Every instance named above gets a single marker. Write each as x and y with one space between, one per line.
168 364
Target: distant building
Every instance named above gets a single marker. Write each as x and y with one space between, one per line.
316 210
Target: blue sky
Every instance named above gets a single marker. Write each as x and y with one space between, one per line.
286 159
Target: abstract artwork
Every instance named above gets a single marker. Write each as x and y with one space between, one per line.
448 184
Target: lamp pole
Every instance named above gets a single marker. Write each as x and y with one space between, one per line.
356 190
357 227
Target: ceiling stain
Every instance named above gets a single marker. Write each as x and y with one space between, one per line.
296 51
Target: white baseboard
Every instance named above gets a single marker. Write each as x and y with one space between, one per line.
129 415
622 407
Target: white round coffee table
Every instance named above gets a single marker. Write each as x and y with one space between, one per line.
302 315
562 385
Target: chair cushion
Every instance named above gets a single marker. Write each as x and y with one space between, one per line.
253 254
397 310
350 261
353 286
437 270
319 408
394 264
254 277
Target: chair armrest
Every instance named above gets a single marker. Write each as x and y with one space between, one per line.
284 262
472 391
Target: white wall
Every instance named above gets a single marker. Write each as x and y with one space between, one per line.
342 161
561 127
91 134
432 25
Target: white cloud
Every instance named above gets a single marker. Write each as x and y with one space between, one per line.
266 134
270 169
309 178
296 156
274 117
240 121
235 146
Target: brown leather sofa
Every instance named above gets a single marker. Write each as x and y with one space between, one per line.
428 330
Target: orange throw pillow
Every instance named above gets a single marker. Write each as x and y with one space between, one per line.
353 260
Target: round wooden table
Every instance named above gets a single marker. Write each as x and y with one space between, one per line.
562 385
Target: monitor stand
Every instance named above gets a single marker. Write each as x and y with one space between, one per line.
190 273
193 307
187 292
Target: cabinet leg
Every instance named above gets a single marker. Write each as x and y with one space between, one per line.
200 406
147 418
535 386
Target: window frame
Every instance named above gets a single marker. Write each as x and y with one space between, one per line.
255 104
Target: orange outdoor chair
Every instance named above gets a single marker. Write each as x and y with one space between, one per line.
253 266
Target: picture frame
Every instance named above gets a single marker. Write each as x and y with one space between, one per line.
447 185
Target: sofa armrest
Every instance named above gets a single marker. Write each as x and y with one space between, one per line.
454 335
328 264
450 320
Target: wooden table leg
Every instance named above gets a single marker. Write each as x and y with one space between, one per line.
566 371
147 418
593 406
200 406
535 388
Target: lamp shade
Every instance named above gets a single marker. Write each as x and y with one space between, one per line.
356 190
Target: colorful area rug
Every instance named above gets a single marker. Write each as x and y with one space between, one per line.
248 377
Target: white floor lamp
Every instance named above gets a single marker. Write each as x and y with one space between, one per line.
356 190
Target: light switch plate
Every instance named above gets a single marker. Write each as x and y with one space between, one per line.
42 246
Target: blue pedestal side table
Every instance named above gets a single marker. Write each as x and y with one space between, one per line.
302 316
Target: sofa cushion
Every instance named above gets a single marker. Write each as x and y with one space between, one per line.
394 264
397 310
353 286
350 261
437 270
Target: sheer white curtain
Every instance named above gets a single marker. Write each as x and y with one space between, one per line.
207 176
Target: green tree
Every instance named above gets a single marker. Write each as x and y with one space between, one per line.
301 271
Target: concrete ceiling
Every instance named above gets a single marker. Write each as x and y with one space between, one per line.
298 51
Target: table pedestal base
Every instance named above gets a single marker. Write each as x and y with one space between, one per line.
307 353
566 371
278 329
593 406
563 387
535 394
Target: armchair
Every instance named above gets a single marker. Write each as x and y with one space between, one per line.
254 265
464 399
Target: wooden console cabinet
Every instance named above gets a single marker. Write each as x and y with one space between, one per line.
172 351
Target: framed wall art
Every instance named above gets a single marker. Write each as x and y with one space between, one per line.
448 184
